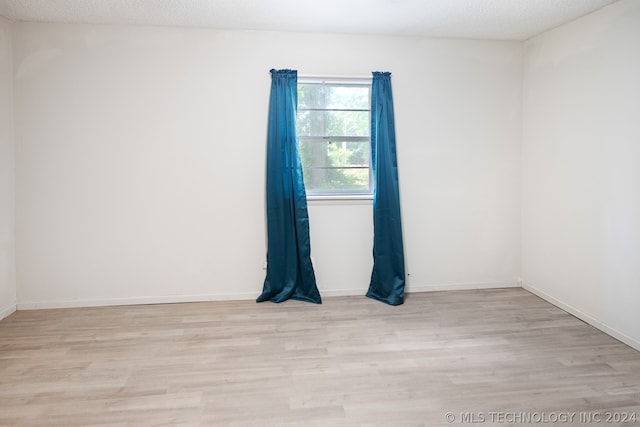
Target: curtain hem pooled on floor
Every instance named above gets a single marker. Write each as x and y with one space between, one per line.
388 275
290 273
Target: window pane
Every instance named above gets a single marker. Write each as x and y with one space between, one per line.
311 96
338 165
333 126
334 153
333 97
336 180
348 97
333 123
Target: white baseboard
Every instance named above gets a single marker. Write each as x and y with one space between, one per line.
36 305
8 310
45 304
411 288
463 286
630 341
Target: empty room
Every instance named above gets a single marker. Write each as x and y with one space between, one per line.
289 213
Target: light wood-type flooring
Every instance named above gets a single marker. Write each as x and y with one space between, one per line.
489 356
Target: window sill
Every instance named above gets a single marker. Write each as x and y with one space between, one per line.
333 199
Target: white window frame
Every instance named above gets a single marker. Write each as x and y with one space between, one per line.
341 195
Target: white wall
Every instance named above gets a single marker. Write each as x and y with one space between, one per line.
140 162
7 239
581 173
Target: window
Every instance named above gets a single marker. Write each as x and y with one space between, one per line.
334 131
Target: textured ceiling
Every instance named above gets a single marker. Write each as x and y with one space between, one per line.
476 19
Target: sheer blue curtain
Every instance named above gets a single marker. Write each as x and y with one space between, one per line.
388 276
289 270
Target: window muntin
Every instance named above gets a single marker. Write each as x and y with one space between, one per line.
333 126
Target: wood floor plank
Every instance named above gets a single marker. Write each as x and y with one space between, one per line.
351 361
